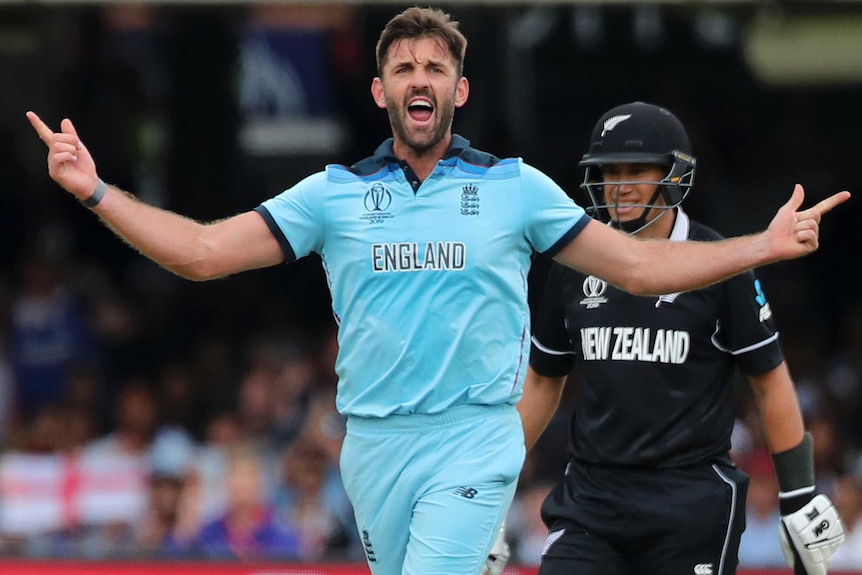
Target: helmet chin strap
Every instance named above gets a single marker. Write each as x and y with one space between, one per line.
637 224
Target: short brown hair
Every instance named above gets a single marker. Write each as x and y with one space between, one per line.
418 22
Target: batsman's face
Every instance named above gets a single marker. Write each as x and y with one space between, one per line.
630 187
420 87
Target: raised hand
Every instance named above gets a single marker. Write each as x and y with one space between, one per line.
793 232
69 162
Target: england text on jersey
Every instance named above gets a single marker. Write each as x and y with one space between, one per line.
411 256
635 344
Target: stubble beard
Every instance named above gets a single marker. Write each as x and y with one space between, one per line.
421 142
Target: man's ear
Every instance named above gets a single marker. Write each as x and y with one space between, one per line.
377 92
462 91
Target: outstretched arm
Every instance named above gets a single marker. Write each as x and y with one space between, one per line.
188 248
655 267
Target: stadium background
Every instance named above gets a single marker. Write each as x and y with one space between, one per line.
114 374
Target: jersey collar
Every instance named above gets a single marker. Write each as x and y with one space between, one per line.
681 226
384 152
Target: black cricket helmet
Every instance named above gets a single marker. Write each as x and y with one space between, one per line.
639 133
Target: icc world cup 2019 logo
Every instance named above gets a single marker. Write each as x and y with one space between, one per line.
594 287
594 290
377 199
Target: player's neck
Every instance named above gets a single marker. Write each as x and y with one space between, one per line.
660 228
422 162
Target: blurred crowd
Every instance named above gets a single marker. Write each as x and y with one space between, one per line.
214 453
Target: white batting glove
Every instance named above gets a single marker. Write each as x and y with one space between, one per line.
811 535
499 554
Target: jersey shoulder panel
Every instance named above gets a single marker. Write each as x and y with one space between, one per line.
747 330
478 158
366 168
472 163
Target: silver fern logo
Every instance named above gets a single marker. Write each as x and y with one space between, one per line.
613 122
553 536
470 200
666 298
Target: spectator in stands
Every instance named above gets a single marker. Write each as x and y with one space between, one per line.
223 433
247 529
274 390
135 423
179 397
48 335
292 388
170 470
311 501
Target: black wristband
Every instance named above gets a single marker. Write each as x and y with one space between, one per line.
794 470
96 196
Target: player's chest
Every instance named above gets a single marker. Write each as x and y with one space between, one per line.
592 304
472 211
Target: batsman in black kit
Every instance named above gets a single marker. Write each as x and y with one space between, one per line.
650 488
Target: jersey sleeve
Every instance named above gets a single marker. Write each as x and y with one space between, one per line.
552 219
551 352
747 327
295 217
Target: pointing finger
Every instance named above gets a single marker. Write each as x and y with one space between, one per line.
836 199
41 127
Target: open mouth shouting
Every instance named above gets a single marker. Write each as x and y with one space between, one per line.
420 110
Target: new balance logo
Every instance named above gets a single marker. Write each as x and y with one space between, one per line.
466 492
703 569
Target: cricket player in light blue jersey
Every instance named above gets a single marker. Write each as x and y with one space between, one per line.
420 274
426 246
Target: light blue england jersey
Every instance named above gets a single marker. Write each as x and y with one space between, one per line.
428 281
